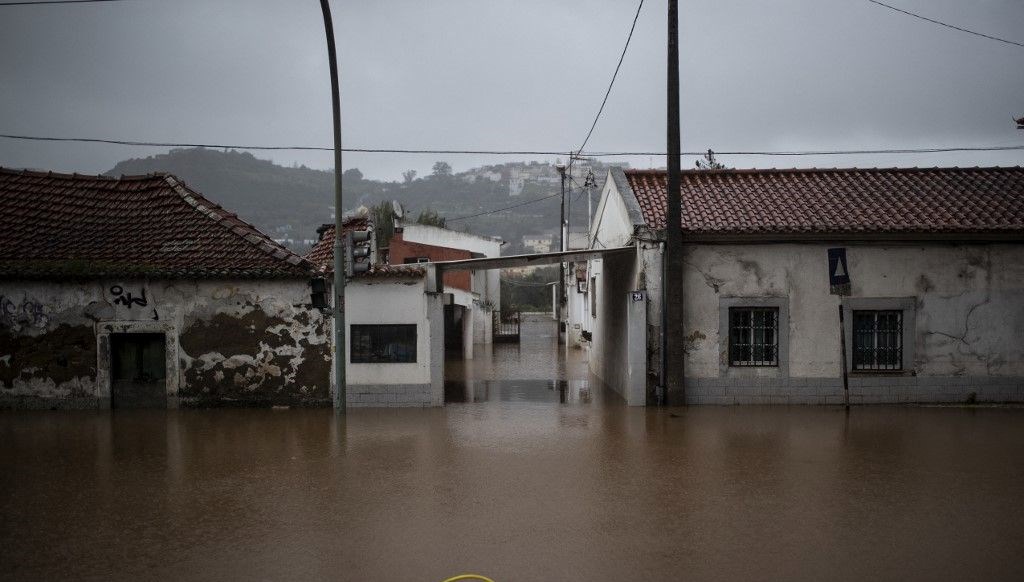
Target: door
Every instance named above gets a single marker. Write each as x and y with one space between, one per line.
138 370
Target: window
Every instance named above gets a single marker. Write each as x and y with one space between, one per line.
753 336
414 260
383 344
878 340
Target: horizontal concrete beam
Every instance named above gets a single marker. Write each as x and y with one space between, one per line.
528 260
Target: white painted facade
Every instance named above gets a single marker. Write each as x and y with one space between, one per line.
962 306
396 300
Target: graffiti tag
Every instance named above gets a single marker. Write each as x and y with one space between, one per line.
123 297
28 312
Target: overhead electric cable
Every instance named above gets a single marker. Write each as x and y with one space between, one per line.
496 210
947 25
611 83
993 148
58 2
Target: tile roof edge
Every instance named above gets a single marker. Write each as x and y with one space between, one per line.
233 224
628 195
816 170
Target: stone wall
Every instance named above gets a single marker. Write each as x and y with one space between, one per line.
234 342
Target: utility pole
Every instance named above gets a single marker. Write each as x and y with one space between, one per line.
672 328
561 247
339 252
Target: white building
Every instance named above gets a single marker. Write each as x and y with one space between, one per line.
394 348
933 313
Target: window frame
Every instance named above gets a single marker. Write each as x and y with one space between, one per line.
359 358
908 305
886 328
781 368
753 362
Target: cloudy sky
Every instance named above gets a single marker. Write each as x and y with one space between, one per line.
523 74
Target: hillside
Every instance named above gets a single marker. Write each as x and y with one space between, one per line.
291 202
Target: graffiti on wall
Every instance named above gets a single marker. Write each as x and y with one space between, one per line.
126 298
25 312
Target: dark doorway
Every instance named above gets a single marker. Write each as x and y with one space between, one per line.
138 370
453 315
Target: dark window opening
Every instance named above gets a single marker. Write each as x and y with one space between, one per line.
878 340
413 260
383 344
753 336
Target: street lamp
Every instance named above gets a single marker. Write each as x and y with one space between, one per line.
339 257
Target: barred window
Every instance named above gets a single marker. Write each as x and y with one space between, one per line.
878 340
383 344
753 336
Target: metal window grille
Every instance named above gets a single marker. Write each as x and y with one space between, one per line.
877 340
383 344
753 336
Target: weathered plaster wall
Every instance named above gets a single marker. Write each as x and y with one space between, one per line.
969 316
236 342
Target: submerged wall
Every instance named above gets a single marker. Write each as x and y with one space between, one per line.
235 342
963 321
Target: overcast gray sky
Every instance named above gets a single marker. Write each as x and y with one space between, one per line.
523 74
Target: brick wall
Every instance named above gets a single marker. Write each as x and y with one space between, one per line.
400 249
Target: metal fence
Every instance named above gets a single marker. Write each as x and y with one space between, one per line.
506 326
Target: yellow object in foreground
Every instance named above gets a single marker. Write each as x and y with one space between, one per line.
468 577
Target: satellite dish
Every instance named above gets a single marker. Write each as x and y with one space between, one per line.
397 209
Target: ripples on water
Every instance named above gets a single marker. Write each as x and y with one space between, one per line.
516 485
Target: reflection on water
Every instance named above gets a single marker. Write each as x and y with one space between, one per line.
517 486
517 491
535 370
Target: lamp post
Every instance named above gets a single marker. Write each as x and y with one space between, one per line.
339 257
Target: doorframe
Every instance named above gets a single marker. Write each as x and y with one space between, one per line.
103 356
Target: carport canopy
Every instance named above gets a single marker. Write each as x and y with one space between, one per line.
511 261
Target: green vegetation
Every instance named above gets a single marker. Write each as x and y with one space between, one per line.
528 292
290 203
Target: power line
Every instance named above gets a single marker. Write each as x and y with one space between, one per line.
57 2
612 82
933 21
502 209
606 154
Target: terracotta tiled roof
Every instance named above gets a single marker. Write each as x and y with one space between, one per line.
837 201
322 253
61 225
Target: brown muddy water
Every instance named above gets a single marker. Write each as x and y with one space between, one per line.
516 485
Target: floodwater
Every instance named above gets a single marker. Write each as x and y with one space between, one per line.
516 485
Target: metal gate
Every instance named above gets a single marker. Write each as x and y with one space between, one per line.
505 326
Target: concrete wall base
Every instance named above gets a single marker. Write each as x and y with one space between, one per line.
863 390
390 396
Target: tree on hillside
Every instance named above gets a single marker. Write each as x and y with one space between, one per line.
442 169
352 174
431 218
408 176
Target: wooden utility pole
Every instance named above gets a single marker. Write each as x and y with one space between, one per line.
339 251
672 359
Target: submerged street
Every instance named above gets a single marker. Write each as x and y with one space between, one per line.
515 485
